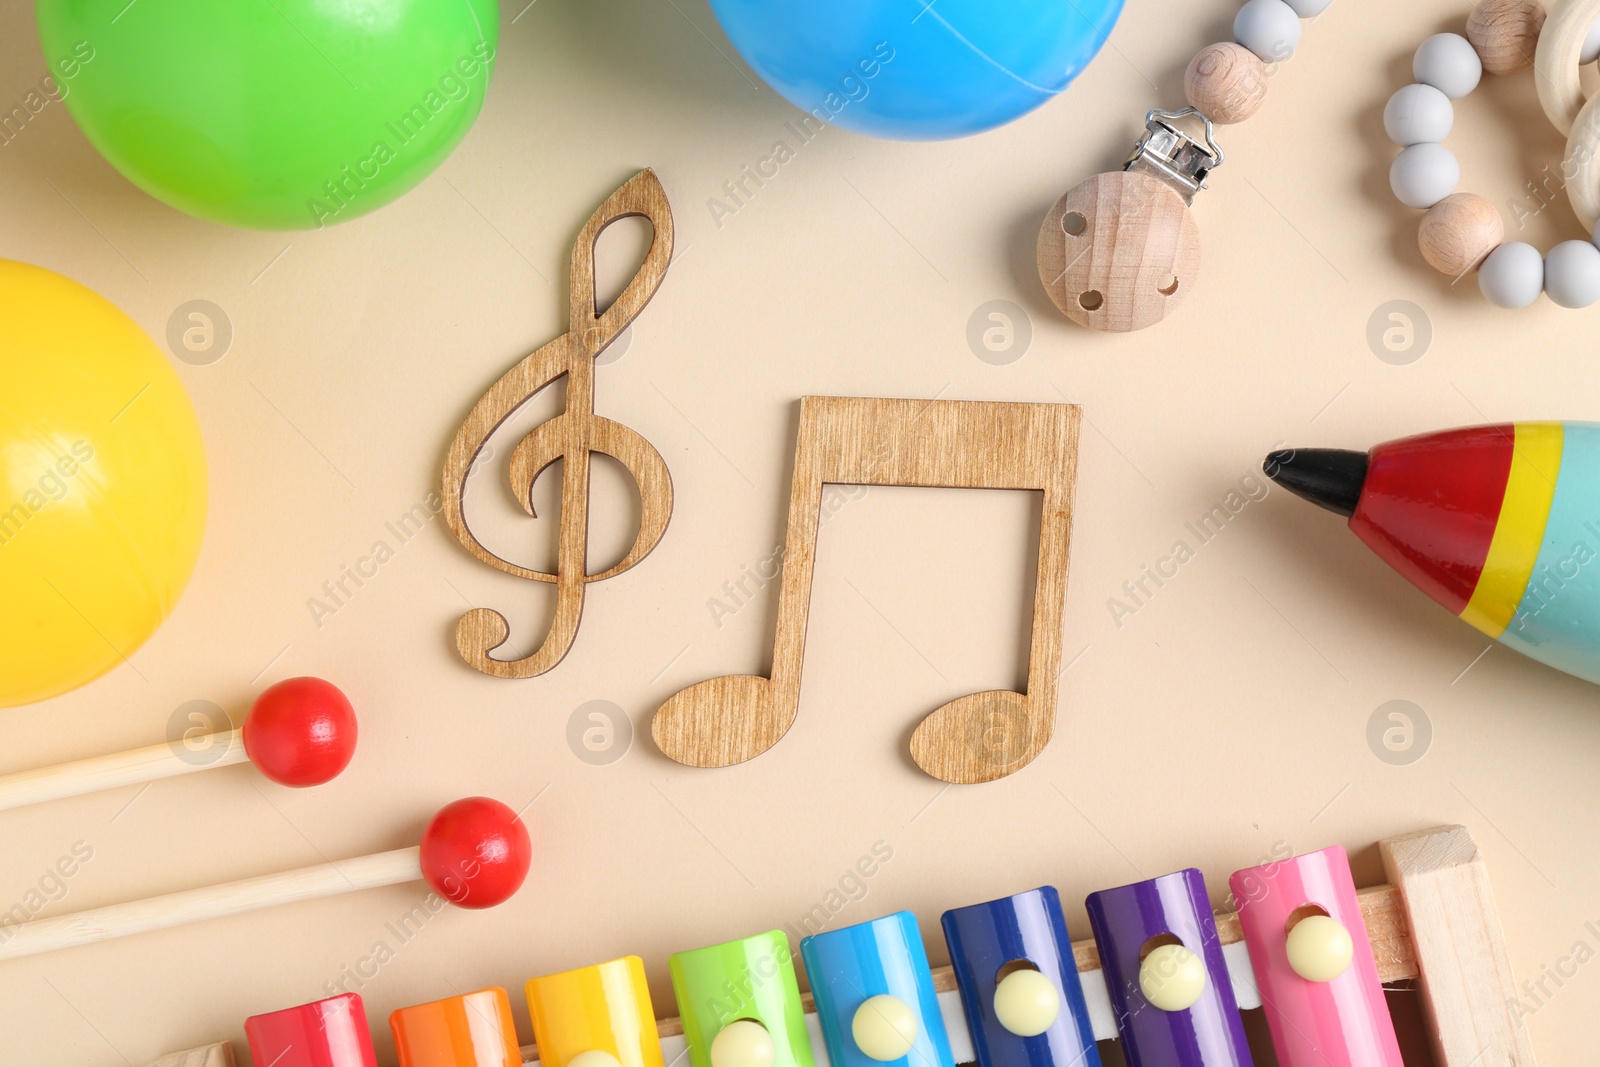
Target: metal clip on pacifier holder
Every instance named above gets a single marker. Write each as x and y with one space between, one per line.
1171 153
1121 249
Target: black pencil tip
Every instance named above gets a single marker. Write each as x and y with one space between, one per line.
1328 477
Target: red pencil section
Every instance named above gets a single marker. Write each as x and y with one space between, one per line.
1430 504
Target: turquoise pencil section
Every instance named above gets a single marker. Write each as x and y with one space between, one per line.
1558 619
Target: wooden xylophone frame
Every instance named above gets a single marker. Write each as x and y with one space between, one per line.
1434 923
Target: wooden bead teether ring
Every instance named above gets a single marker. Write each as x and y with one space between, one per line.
1557 60
1462 232
1119 251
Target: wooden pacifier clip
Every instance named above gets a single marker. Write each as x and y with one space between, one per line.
1119 251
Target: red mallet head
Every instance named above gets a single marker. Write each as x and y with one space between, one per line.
301 732
476 852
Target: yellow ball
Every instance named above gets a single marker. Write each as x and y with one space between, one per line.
885 1027
595 1057
1320 948
743 1043
102 485
1172 978
1026 1003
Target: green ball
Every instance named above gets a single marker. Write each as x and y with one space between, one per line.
272 114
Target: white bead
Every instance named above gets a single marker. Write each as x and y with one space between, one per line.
884 1027
595 1057
1572 274
1591 45
1308 9
1418 113
1172 978
1026 1003
743 1043
1269 28
1449 63
1319 947
1513 275
1424 174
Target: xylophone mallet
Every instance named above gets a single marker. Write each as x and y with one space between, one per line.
300 732
475 853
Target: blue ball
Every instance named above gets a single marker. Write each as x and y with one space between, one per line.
917 70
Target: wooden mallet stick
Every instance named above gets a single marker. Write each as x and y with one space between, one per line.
475 854
300 732
123 768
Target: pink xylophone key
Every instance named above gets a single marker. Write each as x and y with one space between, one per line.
1314 965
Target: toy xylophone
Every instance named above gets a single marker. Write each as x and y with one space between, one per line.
1163 974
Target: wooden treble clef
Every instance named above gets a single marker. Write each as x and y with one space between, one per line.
571 437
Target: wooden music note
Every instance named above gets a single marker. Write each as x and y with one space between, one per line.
939 443
570 437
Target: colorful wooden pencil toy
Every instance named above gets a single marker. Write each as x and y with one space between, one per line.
1500 524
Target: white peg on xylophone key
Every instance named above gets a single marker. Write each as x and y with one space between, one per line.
884 1027
1319 948
1172 978
1026 1003
743 1043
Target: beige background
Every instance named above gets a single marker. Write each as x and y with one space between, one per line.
1228 714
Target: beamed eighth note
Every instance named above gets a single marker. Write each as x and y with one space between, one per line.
934 443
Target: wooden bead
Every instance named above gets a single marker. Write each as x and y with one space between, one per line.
1505 33
1458 232
1226 82
1119 251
